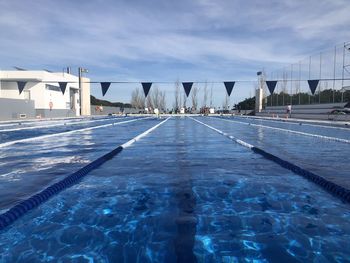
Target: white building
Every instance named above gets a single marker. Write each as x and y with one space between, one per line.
42 95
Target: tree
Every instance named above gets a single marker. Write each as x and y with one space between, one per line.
247 104
95 101
184 98
156 99
162 102
149 101
211 95
225 103
194 98
177 96
284 85
205 95
137 98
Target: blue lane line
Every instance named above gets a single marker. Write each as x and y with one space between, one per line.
337 190
34 201
329 186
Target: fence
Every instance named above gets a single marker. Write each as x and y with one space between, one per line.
331 67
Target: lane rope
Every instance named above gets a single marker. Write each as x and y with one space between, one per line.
34 201
292 121
289 131
67 132
57 125
337 190
16 122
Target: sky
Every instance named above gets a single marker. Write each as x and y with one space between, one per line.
165 40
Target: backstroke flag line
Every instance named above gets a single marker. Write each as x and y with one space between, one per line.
229 87
313 85
20 86
63 86
105 87
271 85
187 87
146 87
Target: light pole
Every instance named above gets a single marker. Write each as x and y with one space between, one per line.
81 71
259 92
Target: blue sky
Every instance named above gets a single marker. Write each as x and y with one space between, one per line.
158 40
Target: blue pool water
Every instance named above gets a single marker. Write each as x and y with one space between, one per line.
183 193
26 168
324 157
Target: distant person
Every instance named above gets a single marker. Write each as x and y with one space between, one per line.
289 111
156 111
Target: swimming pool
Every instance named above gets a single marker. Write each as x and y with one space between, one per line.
182 193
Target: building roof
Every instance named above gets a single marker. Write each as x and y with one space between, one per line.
37 76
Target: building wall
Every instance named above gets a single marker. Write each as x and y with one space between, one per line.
9 90
85 97
110 110
11 108
39 92
42 89
55 113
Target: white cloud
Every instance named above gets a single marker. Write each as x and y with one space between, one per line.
203 35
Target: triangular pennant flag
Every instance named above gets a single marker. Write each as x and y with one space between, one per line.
313 85
20 86
187 87
271 85
63 86
146 87
229 87
105 87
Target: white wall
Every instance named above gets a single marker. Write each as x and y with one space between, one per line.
85 97
36 88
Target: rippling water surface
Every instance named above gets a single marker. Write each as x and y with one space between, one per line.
184 193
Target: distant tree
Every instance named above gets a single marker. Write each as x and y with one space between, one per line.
194 98
95 101
284 86
138 98
225 102
156 99
211 95
162 102
205 95
149 102
184 98
177 96
247 104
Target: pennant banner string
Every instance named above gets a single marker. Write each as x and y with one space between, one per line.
146 87
105 87
20 86
187 87
63 86
229 87
173 82
313 85
271 85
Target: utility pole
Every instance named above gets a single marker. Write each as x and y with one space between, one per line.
291 84
319 85
309 77
335 61
80 74
299 90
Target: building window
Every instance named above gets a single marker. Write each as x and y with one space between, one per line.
52 88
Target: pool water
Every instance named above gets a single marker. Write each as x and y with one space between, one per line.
183 193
